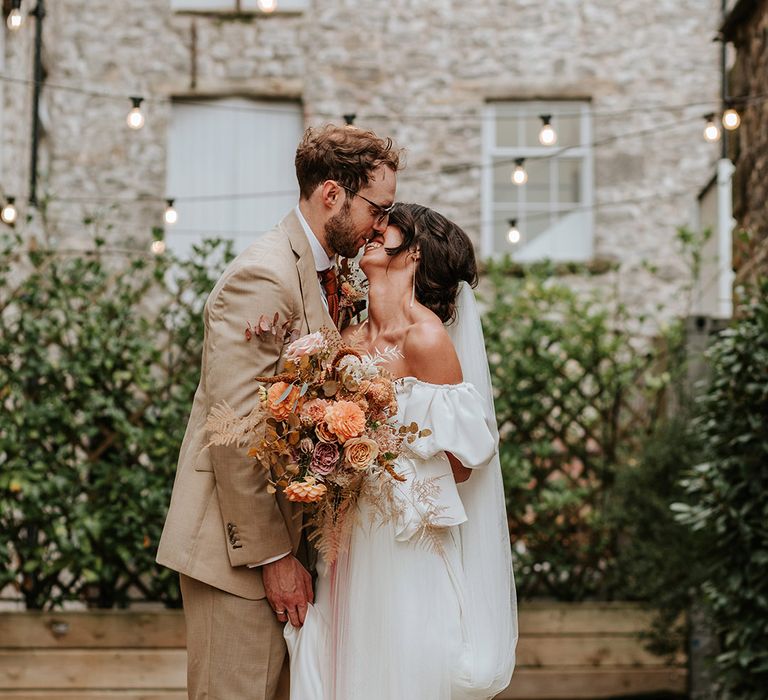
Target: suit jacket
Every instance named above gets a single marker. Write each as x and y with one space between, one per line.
221 517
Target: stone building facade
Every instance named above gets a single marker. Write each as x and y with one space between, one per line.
746 27
431 73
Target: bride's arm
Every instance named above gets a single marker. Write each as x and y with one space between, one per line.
431 357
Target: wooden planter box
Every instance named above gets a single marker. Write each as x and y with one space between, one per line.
565 651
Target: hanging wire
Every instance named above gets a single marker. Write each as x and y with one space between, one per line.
113 224
423 174
124 96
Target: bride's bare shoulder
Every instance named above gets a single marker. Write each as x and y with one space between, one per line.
429 353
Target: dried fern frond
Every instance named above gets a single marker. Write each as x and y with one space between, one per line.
389 354
225 427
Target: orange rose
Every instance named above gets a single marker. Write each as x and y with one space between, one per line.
360 452
346 419
325 435
307 491
281 411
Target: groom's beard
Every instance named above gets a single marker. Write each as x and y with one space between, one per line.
341 235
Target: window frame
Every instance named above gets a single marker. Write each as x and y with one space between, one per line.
493 211
237 8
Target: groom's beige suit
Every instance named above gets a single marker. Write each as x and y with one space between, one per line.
222 521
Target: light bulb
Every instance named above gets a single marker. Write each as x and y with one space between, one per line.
711 131
547 135
135 118
158 247
731 119
15 19
9 213
519 175
267 5
513 235
171 215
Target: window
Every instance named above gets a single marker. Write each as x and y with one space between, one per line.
553 209
236 5
231 169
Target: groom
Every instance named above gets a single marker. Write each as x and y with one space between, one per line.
236 546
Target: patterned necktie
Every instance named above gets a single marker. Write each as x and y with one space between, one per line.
330 281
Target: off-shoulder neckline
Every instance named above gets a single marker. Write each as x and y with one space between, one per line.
416 380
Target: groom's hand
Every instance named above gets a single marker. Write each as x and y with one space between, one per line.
288 586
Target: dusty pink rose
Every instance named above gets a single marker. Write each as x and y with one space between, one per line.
324 458
306 345
315 409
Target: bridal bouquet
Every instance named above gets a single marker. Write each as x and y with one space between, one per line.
322 428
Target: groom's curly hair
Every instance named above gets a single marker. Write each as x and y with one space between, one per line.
446 256
343 153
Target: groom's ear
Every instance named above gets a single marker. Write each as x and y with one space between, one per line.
330 193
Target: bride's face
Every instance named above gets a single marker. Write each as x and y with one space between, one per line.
375 254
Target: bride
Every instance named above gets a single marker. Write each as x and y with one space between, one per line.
421 606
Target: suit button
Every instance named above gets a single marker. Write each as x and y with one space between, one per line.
230 527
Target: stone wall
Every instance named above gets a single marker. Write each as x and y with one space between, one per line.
418 71
749 77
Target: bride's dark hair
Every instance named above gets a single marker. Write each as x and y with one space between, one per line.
446 256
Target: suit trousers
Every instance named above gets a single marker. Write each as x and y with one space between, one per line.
235 646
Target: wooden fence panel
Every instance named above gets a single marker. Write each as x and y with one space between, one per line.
566 651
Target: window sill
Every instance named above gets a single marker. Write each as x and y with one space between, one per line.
241 16
548 268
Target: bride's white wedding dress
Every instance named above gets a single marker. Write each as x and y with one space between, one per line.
420 607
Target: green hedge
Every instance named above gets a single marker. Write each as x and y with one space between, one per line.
579 398
727 498
99 361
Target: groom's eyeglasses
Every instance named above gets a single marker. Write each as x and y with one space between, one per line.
381 213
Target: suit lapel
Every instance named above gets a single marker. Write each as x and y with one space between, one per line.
315 314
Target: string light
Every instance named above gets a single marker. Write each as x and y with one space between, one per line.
267 5
547 134
731 119
15 18
513 235
9 213
157 247
519 175
135 118
171 215
711 130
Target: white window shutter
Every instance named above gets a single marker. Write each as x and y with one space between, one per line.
231 169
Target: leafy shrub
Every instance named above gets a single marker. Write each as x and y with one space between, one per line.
729 494
99 361
576 397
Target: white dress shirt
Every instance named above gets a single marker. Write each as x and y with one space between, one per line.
322 260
